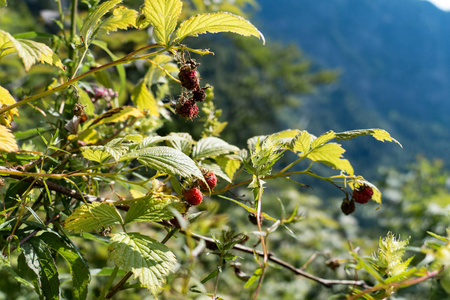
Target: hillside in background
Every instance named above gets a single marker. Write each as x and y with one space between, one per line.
394 58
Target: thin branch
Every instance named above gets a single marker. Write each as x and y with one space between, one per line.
56 187
325 282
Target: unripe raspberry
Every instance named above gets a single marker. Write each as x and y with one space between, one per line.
210 179
362 194
186 108
348 206
193 196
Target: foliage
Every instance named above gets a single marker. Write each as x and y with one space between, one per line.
92 170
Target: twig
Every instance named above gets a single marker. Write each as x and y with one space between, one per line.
325 282
56 187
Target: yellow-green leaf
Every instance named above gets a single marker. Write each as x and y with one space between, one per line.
29 51
214 23
90 24
118 114
93 216
121 18
144 99
7 141
3 3
331 155
379 134
302 142
6 100
383 135
163 15
96 155
229 165
324 138
6 46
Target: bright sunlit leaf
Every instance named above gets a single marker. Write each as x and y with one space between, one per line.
163 15
217 22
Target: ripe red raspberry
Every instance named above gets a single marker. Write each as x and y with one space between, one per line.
186 108
348 206
193 196
362 194
188 75
210 179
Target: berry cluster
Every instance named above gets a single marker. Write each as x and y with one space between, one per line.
194 195
187 108
361 194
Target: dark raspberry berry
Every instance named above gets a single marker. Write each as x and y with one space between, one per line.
210 179
252 218
193 196
186 108
199 95
188 75
348 206
362 194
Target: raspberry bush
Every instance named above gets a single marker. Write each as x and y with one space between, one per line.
86 169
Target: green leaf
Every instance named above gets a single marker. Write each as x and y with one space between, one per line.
445 280
163 15
378 134
331 155
212 146
167 160
90 24
121 18
214 23
39 259
114 148
153 209
181 141
93 216
29 51
77 266
144 99
253 278
210 276
439 237
5 264
3 3
150 261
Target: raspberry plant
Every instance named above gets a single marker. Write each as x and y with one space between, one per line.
98 171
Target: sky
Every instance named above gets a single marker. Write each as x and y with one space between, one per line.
442 4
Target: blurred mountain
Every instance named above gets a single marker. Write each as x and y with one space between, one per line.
394 58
